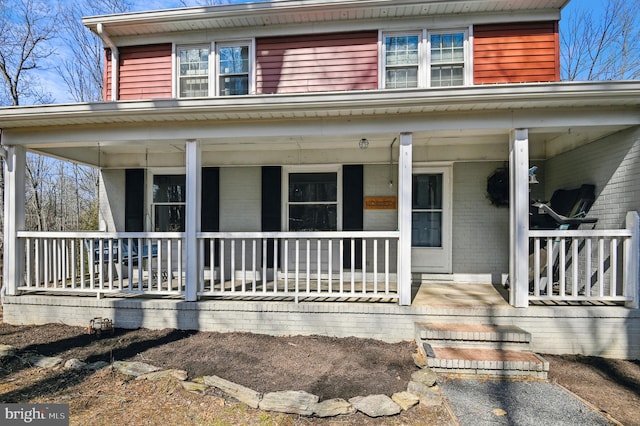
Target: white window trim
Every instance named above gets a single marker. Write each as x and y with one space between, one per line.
175 73
467 75
215 47
424 53
310 169
150 219
214 64
382 65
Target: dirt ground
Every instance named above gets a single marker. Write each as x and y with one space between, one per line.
328 367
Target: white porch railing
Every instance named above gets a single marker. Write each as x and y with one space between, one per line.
100 262
583 265
299 264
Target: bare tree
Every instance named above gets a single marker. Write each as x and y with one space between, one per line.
602 44
26 27
82 66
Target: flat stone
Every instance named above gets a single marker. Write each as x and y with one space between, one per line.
292 402
98 365
74 364
428 396
333 407
194 387
405 399
375 405
425 376
419 359
239 392
45 361
134 368
158 375
7 350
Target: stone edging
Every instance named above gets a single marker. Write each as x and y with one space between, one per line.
421 389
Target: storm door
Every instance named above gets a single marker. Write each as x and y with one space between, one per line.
431 220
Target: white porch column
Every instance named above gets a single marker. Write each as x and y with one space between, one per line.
192 218
14 198
519 218
404 217
632 266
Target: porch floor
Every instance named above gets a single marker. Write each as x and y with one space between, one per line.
450 294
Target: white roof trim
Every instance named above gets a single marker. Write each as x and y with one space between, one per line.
317 105
300 11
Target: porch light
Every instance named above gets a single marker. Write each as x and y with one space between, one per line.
364 143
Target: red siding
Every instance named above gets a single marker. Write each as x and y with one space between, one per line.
316 63
145 72
516 53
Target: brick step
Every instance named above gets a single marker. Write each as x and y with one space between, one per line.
484 333
487 362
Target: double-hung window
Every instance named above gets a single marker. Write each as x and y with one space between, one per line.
447 59
313 201
234 67
225 70
425 59
402 60
169 202
193 71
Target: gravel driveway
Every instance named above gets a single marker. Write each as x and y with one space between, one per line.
495 402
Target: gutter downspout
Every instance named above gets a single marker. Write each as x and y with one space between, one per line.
115 60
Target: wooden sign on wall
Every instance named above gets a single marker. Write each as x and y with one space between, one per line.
380 203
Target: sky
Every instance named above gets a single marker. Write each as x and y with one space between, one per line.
58 89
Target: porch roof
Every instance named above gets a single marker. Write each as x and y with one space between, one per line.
475 119
503 97
292 12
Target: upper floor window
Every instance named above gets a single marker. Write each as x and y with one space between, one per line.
425 59
402 60
446 59
193 74
232 71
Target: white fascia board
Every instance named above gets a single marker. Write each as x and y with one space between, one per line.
430 22
268 13
372 102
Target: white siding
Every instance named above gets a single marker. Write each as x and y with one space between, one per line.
240 199
111 199
376 183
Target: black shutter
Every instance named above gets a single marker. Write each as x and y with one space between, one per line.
271 204
134 200
352 209
210 208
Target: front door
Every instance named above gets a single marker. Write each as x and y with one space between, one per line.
431 220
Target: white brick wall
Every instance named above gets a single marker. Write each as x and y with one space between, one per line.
480 230
603 331
612 164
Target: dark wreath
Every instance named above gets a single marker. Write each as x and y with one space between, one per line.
498 187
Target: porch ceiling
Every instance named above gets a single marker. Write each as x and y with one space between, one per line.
559 116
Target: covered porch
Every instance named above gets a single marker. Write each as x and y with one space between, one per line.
458 134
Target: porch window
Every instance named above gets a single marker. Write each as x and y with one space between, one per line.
427 210
169 201
446 59
401 60
193 71
313 201
233 69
